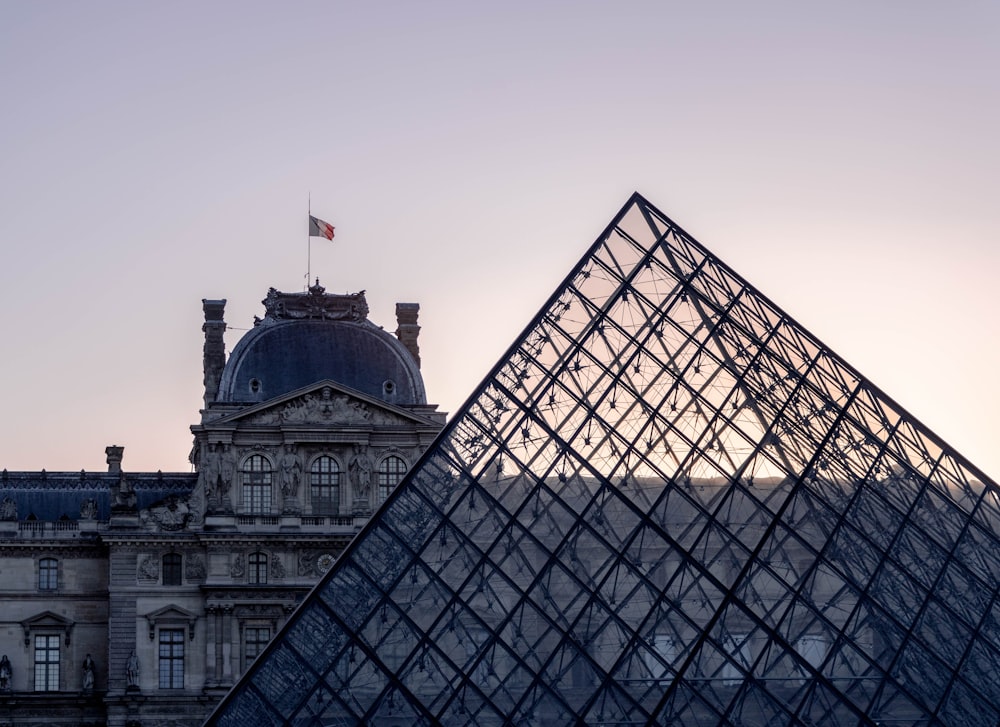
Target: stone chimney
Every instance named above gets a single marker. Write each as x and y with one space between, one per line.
408 330
115 454
214 355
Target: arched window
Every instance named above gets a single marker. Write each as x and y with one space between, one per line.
48 574
256 474
172 569
390 472
324 486
257 570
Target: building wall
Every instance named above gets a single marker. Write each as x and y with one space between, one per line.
121 596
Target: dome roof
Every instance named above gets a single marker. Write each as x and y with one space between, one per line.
309 337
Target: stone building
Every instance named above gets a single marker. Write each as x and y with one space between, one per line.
140 598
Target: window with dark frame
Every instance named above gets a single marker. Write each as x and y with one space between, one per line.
46 663
257 568
390 472
172 569
255 639
324 486
171 659
256 474
48 574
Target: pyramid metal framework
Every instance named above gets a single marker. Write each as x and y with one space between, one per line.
668 504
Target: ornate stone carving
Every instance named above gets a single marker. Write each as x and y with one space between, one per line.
171 514
149 568
325 406
8 509
237 570
194 568
277 567
315 304
307 564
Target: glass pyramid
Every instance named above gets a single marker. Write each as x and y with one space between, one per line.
668 504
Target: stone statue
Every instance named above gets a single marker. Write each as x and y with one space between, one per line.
360 468
291 472
132 671
6 674
8 509
123 496
210 472
88 510
227 469
88 674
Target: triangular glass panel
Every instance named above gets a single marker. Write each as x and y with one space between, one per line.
667 504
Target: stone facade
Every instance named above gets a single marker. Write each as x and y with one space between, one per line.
138 599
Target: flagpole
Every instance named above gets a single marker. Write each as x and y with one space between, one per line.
309 243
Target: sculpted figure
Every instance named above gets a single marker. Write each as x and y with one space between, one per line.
123 496
6 674
210 471
227 469
8 509
360 468
132 671
291 472
88 510
88 673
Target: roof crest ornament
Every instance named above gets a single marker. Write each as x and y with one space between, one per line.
317 303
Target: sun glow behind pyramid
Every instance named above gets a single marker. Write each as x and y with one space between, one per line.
668 503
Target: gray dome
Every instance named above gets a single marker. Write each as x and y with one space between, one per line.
282 355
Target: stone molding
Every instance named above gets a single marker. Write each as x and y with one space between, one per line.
314 304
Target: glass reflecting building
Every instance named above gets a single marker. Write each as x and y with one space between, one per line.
667 504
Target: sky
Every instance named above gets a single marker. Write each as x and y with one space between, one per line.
842 157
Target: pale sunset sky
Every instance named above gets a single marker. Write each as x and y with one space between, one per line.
843 157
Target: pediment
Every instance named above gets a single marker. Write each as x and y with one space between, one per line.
47 620
171 615
325 403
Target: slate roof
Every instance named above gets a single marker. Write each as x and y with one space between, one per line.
51 496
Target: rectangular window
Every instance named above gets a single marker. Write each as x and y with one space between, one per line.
46 663
171 659
48 574
257 570
256 639
257 498
172 569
